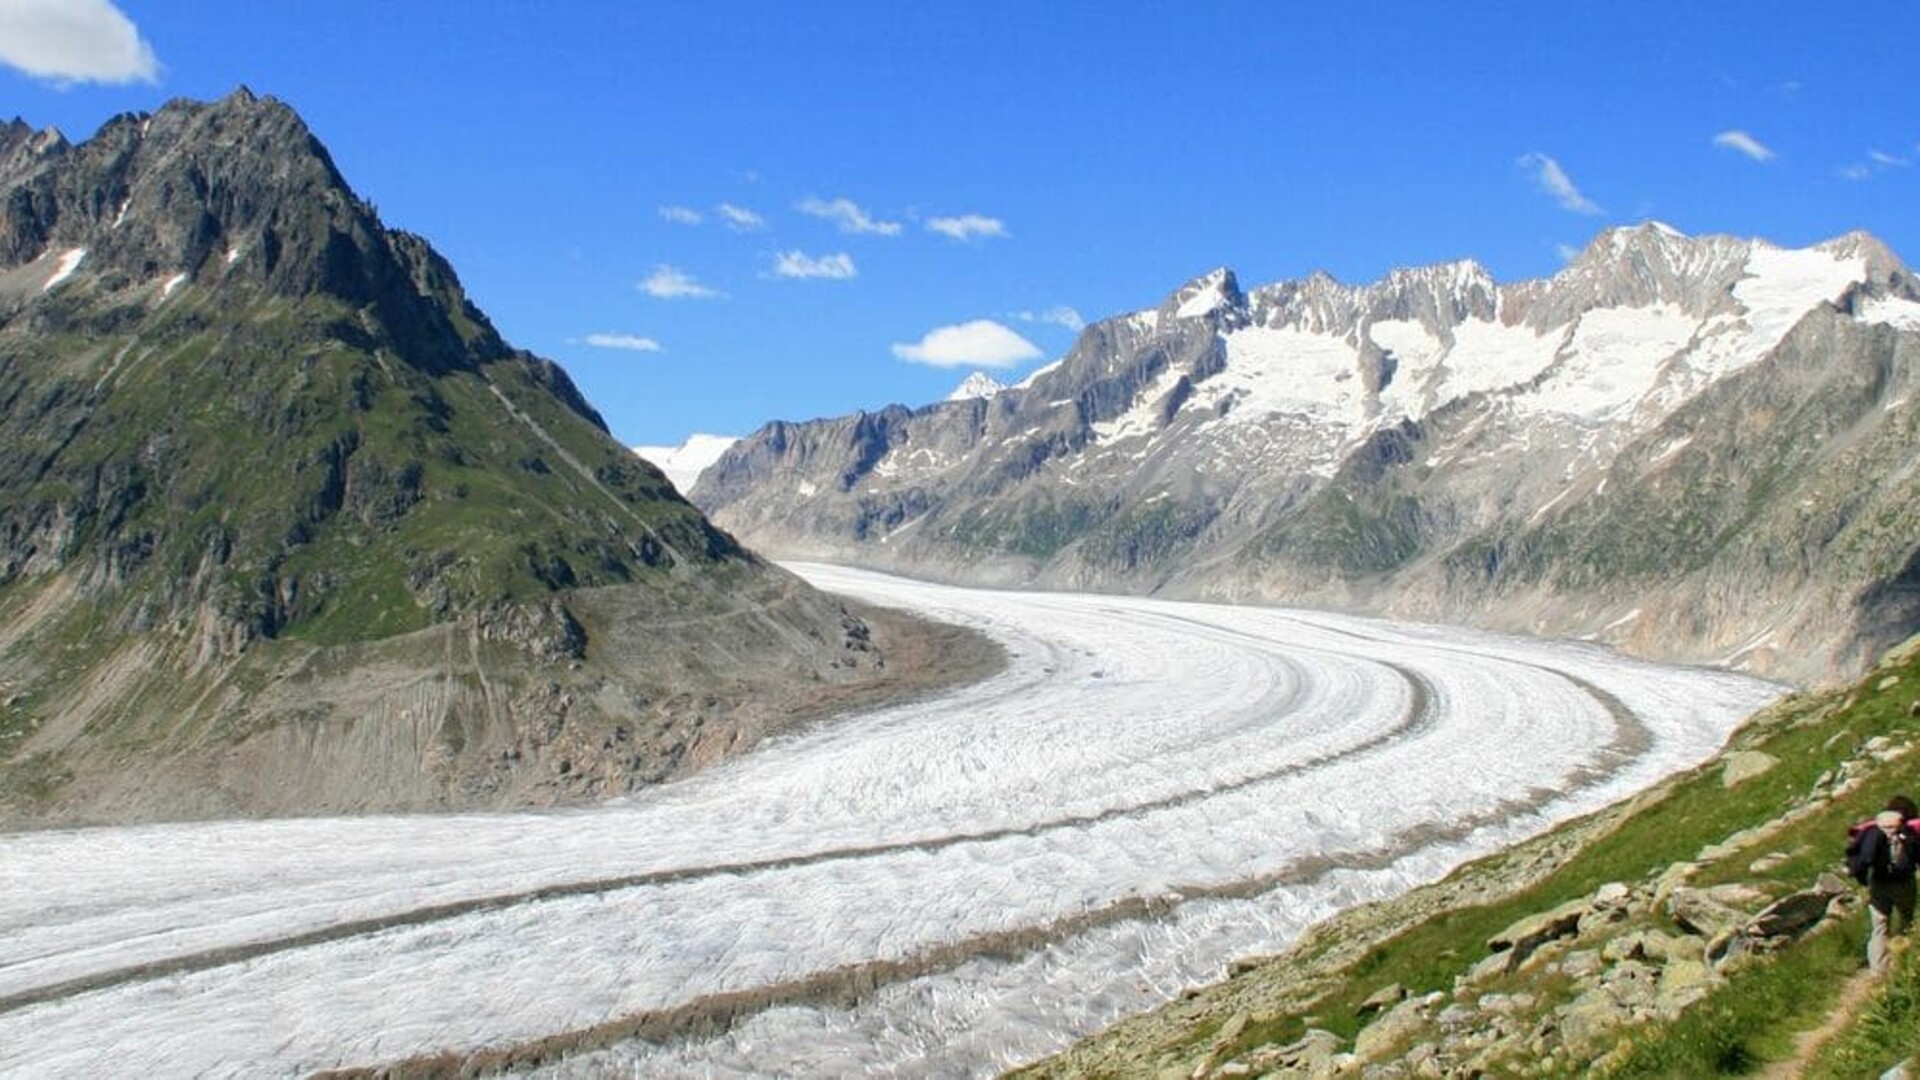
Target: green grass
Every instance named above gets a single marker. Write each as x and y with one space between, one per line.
1750 1021
1886 1031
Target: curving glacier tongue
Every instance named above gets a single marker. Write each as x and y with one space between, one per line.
944 887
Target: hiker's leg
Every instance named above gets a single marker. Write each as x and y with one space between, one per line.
1879 911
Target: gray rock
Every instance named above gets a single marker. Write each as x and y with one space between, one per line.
1744 765
1591 1017
1525 937
1392 1027
1312 1055
1682 983
1790 915
1384 998
1697 912
1649 944
1582 965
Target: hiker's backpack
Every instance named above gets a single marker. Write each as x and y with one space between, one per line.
1858 862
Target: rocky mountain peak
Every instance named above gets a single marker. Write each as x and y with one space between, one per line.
1212 291
235 196
1882 265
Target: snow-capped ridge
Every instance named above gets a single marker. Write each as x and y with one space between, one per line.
1206 294
977 385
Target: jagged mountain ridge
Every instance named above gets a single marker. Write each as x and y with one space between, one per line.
1572 455
286 526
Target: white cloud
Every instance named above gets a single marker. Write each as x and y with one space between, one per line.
629 342
673 283
1555 182
1855 171
1058 315
1567 252
74 41
739 218
682 215
968 227
798 264
1881 157
980 343
1743 143
849 216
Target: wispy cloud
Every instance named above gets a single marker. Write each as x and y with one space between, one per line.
800 265
673 283
1741 142
682 215
848 216
980 343
1554 181
1877 161
739 218
74 41
629 342
1567 252
1058 315
968 227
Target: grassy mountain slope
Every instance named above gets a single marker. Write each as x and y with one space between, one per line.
285 526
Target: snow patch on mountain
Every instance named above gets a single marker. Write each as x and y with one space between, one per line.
1893 310
69 262
977 385
1782 286
1612 360
683 464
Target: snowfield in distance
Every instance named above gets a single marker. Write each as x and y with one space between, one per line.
1149 790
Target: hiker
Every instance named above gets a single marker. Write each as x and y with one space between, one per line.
1882 857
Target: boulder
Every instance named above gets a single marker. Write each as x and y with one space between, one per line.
1396 1025
1697 912
1682 983
1591 1017
1654 945
1673 877
1582 965
1743 765
1384 998
1524 937
1790 915
1630 983
1314 1054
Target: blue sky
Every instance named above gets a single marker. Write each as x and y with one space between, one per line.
719 214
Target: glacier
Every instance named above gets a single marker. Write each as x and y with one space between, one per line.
943 887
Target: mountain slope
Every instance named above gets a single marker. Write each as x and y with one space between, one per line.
284 524
1699 448
1693 930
